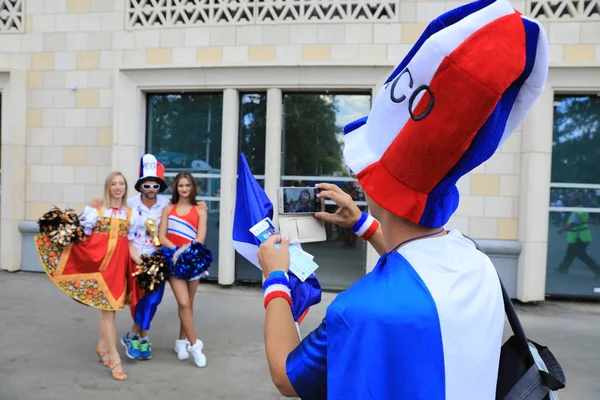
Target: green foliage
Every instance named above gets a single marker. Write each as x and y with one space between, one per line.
576 139
311 145
253 128
183 122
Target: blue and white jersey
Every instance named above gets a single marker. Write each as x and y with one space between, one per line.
425 324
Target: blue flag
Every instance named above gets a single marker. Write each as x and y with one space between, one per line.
252 205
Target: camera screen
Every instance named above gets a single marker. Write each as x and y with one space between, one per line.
300 200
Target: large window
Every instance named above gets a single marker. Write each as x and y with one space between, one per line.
184 133
312 152
251 142
575 196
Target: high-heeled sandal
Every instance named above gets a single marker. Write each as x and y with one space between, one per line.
103 356
119 375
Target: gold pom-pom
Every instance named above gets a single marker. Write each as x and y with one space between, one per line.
61 227
151 272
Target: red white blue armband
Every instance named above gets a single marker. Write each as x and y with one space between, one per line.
277 285
366 226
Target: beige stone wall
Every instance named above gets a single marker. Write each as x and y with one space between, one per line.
489 203
71 51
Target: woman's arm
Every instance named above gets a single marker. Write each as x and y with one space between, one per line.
134 222
202 222
88 220
163 228
134 254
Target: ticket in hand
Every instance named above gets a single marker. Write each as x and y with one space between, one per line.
264 230
301 262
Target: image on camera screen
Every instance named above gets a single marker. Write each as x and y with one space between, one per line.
300 200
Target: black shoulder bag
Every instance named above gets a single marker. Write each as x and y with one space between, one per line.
520 375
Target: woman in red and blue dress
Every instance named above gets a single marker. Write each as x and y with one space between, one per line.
184 222
94 272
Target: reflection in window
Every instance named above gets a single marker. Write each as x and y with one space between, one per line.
574 197
183 131
573 231
313 141
576 139
314 131
252 130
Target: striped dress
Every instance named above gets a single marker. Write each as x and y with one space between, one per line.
182 229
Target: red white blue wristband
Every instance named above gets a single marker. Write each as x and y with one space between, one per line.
366 226
277 285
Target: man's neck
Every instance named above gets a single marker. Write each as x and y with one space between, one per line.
398 230
148 202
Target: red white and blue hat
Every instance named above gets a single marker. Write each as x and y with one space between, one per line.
151 170
460 92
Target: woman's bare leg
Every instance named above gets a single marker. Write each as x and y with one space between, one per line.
186 318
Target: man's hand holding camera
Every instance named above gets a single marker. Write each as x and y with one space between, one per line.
347 213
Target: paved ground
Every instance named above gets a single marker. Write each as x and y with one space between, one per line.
47 346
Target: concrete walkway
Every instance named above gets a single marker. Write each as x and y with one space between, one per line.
47 344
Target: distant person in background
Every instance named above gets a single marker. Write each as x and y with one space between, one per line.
579 237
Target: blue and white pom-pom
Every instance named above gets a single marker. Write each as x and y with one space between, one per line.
194 261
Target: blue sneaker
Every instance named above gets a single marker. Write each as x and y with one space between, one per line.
132 346
145 349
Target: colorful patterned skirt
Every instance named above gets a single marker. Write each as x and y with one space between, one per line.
93 272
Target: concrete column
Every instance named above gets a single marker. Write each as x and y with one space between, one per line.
229 158
13 85
273 148
129 130
536 158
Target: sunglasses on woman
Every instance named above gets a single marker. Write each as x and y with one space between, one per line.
148 186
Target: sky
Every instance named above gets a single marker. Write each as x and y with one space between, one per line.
351 108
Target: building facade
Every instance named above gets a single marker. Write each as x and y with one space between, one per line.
88 86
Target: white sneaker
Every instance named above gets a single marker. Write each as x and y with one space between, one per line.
196 350
181 349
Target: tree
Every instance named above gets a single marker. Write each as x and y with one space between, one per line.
253 128
576 139
186 123
310 135
181 123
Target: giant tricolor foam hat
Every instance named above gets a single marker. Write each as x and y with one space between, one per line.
151 170
460 92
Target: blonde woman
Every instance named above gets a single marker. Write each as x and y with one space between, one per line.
94 272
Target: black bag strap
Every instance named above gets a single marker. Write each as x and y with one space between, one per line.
555 378
513 319
509 309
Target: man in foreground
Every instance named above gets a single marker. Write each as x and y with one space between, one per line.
427 322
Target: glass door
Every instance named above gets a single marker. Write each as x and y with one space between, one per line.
183 131
251 142
312 152
573 267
